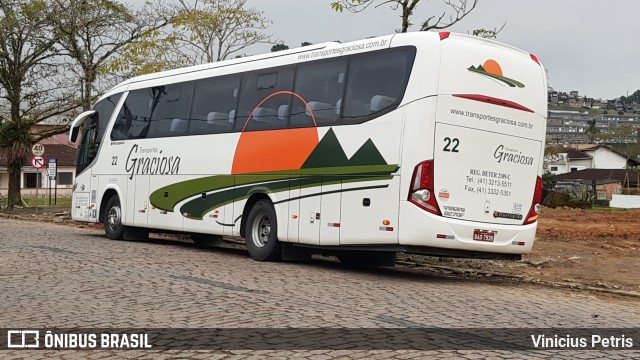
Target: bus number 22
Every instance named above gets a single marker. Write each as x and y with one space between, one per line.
449 142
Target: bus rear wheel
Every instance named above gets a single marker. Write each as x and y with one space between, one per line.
261 232
113 226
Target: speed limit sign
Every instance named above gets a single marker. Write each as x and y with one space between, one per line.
37 149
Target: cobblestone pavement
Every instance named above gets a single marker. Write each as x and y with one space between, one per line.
54 276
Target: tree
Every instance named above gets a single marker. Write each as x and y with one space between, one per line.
93 32
203 31
306 43
458 10
32 81
592 130
548 180
279 47
216 29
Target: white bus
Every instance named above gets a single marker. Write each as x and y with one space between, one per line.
425 143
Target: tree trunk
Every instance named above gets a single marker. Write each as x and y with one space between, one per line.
89 79
14 196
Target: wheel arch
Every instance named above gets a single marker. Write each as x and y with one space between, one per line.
108 193
254 198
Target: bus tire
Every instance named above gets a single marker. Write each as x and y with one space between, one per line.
367 258
261 232
206 239
113 226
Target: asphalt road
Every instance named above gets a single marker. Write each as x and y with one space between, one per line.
55 276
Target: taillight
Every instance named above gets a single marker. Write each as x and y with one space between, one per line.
421 191
535 205
444 35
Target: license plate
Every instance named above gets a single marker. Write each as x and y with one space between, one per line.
483 235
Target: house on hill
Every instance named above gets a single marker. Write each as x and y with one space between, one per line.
564 159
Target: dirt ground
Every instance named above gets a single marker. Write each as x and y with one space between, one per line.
591 246
593 249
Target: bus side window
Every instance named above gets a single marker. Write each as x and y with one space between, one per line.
264 98
214 105
321 85
375 84
133 119
170 106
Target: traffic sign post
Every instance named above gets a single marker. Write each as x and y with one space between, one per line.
53 173
37 161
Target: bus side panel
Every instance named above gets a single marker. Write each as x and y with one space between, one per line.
369 202
160 218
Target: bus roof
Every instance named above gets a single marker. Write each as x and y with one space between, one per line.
317 51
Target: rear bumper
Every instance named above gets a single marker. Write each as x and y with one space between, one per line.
419 229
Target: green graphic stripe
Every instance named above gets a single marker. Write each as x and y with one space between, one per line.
508 81
198 207
178 192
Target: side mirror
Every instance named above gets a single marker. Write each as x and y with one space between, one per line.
75 125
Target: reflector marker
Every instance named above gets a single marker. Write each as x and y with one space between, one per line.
443 236
386 228
335 225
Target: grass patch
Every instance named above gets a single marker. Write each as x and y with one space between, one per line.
41 201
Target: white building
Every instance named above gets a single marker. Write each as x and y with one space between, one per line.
588 156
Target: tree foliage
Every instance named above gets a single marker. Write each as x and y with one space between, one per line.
488 33
93 32
279 47
457 10
548 180
203 31
33 85
592 130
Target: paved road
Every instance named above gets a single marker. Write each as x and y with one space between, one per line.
54 276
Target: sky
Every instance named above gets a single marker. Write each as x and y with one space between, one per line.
586 45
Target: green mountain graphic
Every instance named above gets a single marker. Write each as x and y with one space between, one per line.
481 71
329 153
368 154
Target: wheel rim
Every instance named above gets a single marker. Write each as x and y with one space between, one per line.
261 230
114 218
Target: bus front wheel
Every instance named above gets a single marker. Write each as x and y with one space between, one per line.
113 227
261 232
